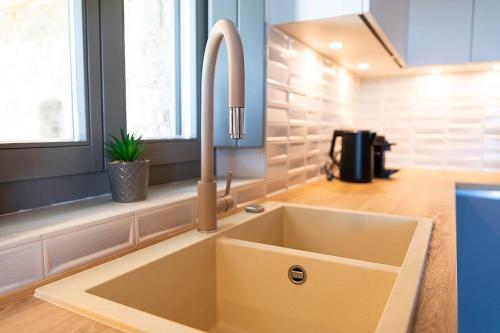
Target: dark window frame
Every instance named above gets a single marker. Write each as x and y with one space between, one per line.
42 160
160 152
40 174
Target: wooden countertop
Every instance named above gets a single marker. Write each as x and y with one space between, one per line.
426 193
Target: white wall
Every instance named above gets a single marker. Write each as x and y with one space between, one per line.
437 121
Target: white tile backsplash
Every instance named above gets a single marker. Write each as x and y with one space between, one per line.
74 247
158 222
44 242
308 96
437 121
20 265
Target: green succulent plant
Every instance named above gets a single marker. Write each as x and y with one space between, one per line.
126 148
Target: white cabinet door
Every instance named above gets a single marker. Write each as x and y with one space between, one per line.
439 32
486 31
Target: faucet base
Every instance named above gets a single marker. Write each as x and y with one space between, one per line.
207 206
207 231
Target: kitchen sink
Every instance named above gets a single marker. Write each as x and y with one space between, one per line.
292 268
370 237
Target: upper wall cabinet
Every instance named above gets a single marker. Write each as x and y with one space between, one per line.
453 31
412 32
248 15
287 11
486 31
370 30
439 32
390 19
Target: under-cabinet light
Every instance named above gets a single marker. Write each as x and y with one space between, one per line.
363 66
436 70
336 45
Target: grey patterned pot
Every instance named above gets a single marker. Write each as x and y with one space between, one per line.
129 180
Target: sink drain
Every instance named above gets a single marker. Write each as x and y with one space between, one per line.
297 274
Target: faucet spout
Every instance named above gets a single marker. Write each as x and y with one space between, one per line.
207 193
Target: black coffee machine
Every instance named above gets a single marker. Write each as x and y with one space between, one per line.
361 157
355 160
380 146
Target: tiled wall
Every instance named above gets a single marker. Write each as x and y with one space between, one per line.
437 121
70 237
308 96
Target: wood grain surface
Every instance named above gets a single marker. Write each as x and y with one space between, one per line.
425 193
29 315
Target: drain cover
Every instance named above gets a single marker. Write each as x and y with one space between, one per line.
297 274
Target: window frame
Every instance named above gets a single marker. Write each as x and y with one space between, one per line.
159 151
43 159
38 174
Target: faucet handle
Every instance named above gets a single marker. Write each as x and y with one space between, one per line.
229 180
226 202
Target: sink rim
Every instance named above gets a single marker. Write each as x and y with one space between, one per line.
71 292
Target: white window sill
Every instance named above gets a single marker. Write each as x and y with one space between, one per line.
32 225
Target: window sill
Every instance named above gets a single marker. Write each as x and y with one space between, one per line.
26 226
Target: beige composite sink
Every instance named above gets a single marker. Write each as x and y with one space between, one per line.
354 272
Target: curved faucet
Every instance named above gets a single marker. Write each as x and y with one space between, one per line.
208 203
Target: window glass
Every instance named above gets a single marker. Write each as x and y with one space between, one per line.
41 86
159 57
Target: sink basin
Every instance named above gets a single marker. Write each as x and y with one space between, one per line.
370 237
292 269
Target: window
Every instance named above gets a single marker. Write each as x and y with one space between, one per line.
159 61
41 72
74 71
50 113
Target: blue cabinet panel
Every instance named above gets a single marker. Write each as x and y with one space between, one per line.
486 31
248 15
478 258
439 32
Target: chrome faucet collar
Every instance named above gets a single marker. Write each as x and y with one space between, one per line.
237 123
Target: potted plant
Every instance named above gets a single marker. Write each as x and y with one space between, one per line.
128 173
